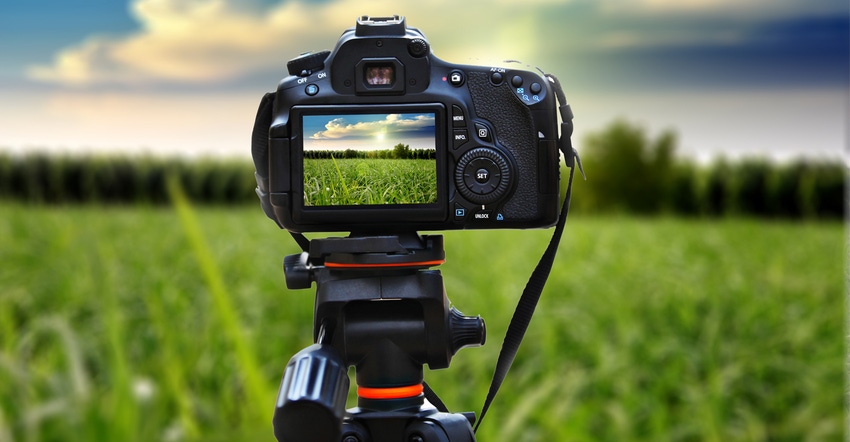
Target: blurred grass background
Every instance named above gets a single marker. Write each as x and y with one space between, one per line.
649 329
168 319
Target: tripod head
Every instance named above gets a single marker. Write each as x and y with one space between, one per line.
381 309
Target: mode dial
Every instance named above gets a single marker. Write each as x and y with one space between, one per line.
307 63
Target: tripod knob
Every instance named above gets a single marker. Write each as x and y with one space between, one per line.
465 331
311 400
298 275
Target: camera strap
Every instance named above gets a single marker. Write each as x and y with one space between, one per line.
534 287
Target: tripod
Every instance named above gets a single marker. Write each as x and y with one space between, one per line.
380 309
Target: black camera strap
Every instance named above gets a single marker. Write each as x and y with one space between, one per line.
534 287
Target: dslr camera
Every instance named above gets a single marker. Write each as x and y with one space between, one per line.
379 135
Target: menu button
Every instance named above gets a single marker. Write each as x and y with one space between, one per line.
458 117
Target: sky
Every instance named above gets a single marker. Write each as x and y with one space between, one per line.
368 132
181 77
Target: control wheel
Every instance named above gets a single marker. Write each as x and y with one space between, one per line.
483 175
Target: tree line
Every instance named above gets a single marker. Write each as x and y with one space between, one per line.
398 152
627 171
42 178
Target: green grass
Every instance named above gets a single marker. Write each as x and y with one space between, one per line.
144 324
369 181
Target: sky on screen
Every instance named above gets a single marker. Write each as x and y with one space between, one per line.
766 77
368 132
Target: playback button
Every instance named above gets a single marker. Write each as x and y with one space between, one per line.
460 212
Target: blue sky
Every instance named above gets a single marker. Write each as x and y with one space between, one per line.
765 77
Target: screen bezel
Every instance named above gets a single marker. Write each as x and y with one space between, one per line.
368 214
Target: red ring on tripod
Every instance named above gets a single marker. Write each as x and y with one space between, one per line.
345 265
390 393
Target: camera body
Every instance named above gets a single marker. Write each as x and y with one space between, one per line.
379 135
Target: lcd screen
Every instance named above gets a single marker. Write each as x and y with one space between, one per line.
369 159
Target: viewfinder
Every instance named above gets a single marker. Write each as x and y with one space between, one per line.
379 76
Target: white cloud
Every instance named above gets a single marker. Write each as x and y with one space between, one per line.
209 41
213 41
338 128
188 41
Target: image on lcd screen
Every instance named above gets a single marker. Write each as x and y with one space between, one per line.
370 159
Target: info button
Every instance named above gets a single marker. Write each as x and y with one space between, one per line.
461 136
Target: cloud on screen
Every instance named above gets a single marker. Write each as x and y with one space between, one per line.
392 126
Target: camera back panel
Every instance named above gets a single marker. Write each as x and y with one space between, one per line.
379 135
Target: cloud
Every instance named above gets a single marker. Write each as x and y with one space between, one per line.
215 42
189 41
340 127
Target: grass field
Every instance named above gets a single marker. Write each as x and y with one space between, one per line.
331 182
145 324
